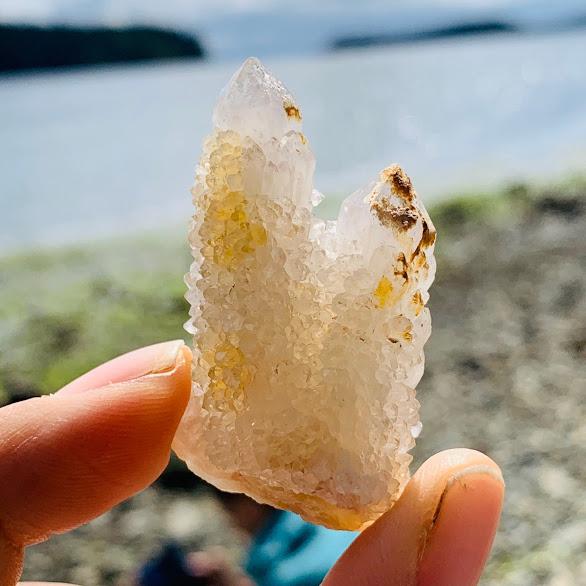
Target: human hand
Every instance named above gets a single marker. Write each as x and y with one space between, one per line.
68 458
71 456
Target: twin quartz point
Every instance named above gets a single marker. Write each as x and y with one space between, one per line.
308 334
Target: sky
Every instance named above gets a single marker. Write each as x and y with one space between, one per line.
174 11
232 29
129 10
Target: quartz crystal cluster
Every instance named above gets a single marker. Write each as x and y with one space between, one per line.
308 334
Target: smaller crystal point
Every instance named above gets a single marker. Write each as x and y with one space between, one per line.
256 104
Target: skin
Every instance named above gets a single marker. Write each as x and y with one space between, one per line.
69 457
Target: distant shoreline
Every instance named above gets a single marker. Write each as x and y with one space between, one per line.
26 48
456 31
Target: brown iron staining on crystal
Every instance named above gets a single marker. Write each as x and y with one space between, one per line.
399 181
292 111
403 217
428 237
419 258
402 268
387 214
418 302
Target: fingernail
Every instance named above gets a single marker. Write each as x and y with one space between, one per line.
155 359
464 526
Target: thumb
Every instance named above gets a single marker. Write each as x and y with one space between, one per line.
439 533
69 457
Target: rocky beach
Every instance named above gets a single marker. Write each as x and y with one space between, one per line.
505 374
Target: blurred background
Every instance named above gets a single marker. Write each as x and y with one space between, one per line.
103 108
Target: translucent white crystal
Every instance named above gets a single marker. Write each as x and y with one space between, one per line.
308 334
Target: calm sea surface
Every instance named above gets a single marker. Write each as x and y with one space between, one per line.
112 151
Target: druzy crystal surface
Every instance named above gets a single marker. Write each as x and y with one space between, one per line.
308 334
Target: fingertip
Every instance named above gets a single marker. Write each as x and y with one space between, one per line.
450 461
157 358
463 528
424 520
438 470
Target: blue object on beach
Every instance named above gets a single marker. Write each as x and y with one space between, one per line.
169 568
288 551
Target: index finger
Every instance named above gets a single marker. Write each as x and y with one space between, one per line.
68 458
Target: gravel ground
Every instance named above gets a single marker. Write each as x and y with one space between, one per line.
109 549
505 374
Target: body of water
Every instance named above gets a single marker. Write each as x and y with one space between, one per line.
96 152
